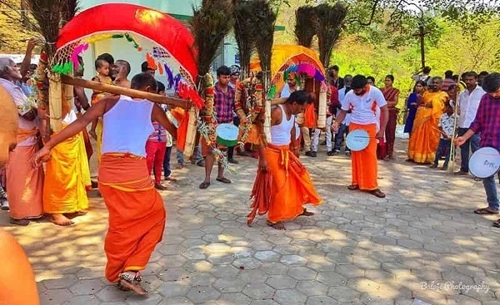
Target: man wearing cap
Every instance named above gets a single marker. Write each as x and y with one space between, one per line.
363 100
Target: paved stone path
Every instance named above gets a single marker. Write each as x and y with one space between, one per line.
421 242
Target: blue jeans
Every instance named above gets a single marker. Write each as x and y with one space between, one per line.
166 162
471 144
197 152
339 137
490 187
444 149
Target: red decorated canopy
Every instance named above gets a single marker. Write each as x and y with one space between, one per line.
159 27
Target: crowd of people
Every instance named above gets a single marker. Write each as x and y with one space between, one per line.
437 111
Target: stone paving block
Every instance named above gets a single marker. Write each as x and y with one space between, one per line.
259 291
230 284
233 298
302 273
55 296
87 287
267 256
150 299
174 289
176 301
281 282
343 294
264 302
289 297
320 300
331 279
83 299
203 294
312 288
112 294
293 260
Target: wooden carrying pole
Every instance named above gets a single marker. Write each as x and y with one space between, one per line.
156 98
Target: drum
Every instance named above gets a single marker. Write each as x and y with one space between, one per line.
357 140
227 134
485 162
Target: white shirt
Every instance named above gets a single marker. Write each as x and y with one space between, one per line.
285 92
469 103
347 118
127 126
281 133
364 108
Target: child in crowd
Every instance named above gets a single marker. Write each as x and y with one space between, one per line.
170 142
103 76
446 126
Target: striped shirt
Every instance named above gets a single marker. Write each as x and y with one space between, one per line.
159 135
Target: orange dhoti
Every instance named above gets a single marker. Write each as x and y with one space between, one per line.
67 178
292 186
136 213
253 136
24 184
364 162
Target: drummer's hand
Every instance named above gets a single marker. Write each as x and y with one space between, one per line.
459 141
380 134
263 165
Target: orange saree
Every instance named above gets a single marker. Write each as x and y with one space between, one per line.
364 163
291 185
136 213
424 138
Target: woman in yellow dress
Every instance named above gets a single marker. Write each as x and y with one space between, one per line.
424 138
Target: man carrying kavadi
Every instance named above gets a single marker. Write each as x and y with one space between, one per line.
136 210
283 185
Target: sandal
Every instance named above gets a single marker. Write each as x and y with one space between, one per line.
496 224
485 211
353 187
204 185
378 193
223 180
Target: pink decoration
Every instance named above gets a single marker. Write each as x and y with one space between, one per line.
77 51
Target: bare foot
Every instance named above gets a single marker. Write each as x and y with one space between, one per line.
306 213
61 220
278 226
160 187
75 214
135 287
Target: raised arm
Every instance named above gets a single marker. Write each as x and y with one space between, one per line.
74 128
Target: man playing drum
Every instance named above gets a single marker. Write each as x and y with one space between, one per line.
487 123
363 100
224 103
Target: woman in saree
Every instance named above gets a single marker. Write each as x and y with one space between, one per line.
425 135
412 103
391 96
